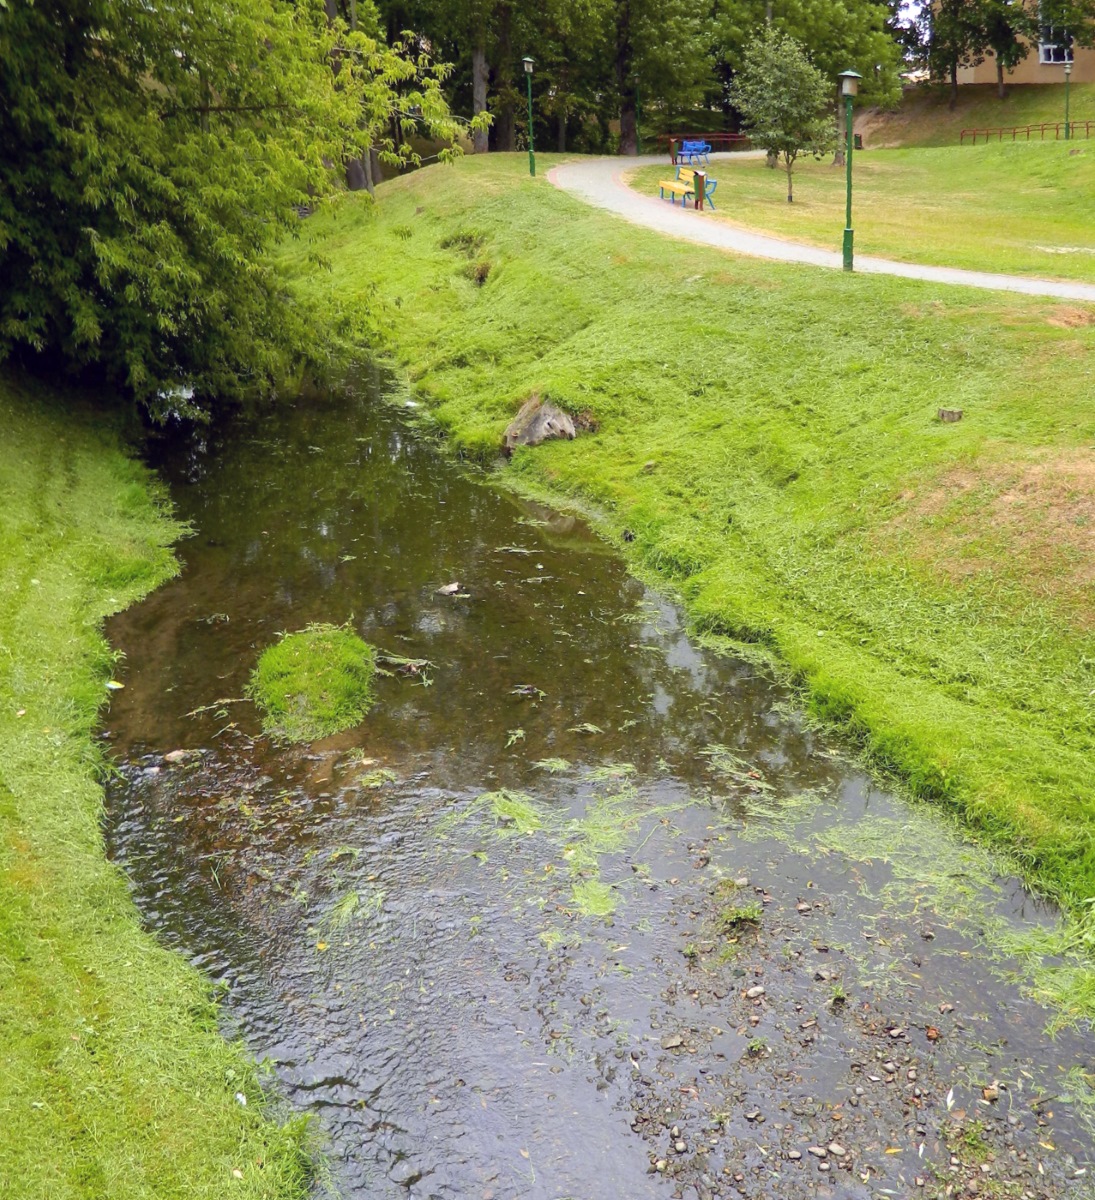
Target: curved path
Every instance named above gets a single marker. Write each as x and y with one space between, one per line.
599 181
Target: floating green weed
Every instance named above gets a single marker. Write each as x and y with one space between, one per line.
736 769
735 917
314 683
1057 966
379 778
553 766
610 823
515 811
932 871
350 852
610 772
770 816
594 898
342 912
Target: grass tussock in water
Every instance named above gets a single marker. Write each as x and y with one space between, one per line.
314 683
115 1081
768 443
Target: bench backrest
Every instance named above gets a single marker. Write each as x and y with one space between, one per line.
686 175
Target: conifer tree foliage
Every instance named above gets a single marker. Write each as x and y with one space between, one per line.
149 156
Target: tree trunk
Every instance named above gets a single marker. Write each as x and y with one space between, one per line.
479 139
562 99
625 83
954 87
790 168
771 160
507 120
357 175
1000 90
841 132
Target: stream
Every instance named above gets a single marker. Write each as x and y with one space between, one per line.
581 909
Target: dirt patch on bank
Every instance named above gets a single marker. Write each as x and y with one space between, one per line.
1031 522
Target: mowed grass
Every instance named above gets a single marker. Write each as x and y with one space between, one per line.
768 443
924 116
1019 209
115 1080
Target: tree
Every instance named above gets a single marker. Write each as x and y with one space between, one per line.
661 48
783 99
956 38
151 154
1008 25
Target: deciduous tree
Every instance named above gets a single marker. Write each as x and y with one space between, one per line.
783 99
1008 27
150 154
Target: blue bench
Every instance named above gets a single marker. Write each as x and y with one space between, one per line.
693 152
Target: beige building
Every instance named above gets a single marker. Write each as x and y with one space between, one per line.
1044 64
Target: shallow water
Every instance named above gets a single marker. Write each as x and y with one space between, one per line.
523 994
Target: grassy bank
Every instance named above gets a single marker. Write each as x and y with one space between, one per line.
924 116
1020 209
115 1080
767 439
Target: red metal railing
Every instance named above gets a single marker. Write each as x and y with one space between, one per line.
1000 133
728 141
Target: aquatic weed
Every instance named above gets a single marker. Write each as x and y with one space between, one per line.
379 778
593 898
554 766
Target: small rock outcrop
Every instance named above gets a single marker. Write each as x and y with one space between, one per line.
535 423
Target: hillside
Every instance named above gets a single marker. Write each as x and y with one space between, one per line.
767 442
924 117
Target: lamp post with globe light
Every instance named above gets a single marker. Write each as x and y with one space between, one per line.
528 65
849 86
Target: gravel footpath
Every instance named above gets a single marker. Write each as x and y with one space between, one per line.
599 181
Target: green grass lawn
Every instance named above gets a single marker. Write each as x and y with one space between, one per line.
768 440
925 118
115 1082
1023 209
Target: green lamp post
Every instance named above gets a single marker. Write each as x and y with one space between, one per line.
849 85
528 65
1068 72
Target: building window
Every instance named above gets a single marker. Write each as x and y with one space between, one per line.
1054 45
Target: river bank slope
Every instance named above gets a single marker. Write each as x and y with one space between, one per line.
116 1081
767 440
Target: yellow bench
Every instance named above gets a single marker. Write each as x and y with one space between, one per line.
685 186
674 188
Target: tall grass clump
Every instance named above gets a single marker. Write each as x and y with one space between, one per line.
314 683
